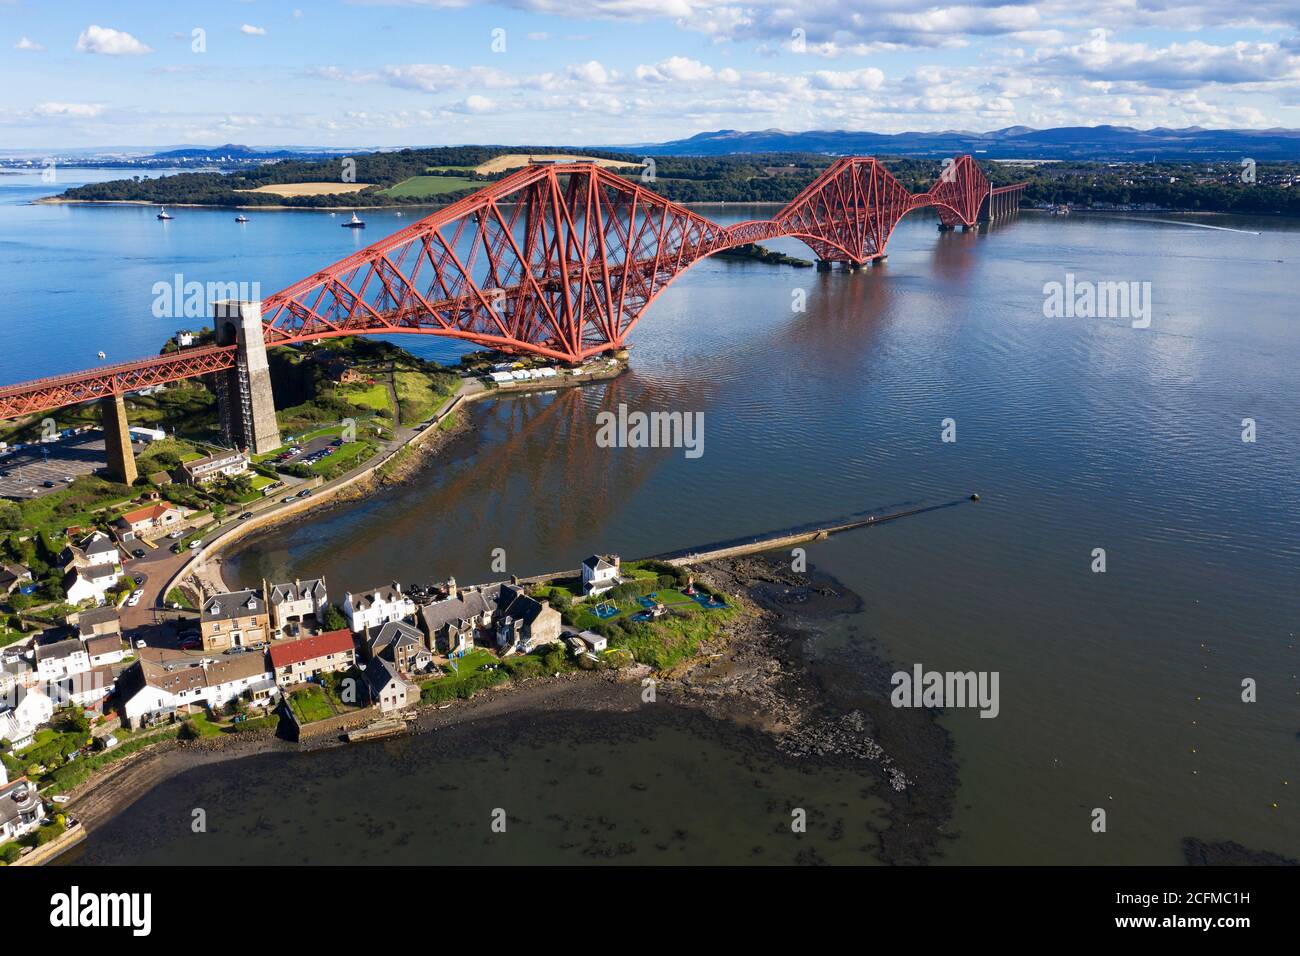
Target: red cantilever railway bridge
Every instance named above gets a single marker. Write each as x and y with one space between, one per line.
558 260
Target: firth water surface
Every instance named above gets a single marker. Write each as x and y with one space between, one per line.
1120 690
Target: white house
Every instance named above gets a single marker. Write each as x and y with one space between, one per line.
164 682
388 688
223 464
600 573
30 710
61 659
94 550
105 649
152 517
21 809
378 607
90 583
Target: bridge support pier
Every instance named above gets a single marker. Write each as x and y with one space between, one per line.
244 399
117 440
944 227
823 265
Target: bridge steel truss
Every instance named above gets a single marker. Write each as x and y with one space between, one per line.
557 260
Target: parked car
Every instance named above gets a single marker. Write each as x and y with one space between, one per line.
176 534
138 553
69 479
176 548
196 544
191 645
141 643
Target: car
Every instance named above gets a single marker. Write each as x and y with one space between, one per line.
69 479
49 484
176 534
138 592
286 499
195 545
234 650
337 442
189 634
191 645
304 493
132 601
138 553
140 643
176 548
245 515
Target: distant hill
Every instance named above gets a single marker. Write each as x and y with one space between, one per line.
233 151
1117 143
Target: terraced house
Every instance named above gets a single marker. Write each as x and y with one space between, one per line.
294 662
234 619
294 602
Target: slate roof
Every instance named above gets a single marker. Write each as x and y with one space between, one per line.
297 591
232 604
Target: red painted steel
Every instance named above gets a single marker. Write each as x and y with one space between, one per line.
558 260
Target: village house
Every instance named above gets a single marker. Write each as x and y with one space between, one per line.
29 711
86 689
295 602
95 549
12 577
61 659
294 662
222 464
503 614
158 516
96 622
165 682
21 809
600 573
90 583
388 689
402 644
375 608
105 649
234 619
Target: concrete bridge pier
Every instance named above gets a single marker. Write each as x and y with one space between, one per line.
244 399
117 440
823 265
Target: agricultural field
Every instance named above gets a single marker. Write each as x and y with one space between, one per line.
307 189
420 187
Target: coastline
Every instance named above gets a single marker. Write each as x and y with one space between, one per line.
754 678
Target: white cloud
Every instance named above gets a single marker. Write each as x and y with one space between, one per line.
29 45
76 110
252 31
109 42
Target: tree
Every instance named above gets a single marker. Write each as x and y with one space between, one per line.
11 516
334 619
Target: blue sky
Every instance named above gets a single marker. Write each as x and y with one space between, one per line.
399 72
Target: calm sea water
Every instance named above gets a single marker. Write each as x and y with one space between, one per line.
1119 690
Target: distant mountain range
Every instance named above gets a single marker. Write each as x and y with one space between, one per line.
1014 142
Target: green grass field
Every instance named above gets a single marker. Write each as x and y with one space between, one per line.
309 704
373 397
421 187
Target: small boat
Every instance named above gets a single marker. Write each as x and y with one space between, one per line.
164 214
354 223
241 218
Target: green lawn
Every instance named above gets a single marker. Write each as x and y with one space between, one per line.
309 704
374 397
421 187
420 394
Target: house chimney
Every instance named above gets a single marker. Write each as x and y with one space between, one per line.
451 587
